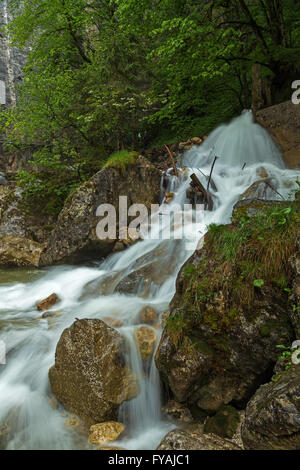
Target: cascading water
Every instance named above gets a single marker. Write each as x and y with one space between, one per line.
89 292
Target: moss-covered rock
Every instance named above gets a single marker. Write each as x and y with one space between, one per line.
224 423
231 310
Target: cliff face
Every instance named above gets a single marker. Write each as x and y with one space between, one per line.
12 60
283 123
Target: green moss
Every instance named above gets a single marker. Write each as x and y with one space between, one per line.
224 423
121 159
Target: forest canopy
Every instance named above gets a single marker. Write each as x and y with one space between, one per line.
101 73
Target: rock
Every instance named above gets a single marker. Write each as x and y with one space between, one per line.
113 322
3 180
224 423
148 315
51 314
219 343
272 418
47 303
294 298
90 377
196 140
146 338
17 251
105 432
72 423
110 448
182 440
263 189
177 412
15 220
74 236
283 123
169 197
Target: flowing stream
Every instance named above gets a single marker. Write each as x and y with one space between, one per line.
26 414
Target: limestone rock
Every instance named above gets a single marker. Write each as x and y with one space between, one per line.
17 251
146 338
148 315
105 432
272 418
47 303
177 412
283 122
75 236
182 440
113 322
90 377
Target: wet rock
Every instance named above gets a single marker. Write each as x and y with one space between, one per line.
177 412
263 189
17 251
224 423
105 432
182 440
75 237
47 303
169 197
196 140
148 315
110 448
146 338
113 322
90 377
272 418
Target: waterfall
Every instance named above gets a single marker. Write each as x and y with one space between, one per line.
31 341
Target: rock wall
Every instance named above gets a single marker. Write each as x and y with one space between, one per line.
283 123
12 60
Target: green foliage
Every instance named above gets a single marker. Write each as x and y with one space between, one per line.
101 73
121 159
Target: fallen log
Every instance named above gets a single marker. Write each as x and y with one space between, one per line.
198 186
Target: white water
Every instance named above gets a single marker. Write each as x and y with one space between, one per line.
88 292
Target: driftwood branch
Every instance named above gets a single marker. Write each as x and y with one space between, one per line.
172 160
211 172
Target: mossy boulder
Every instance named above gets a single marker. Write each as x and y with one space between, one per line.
231 310
224 423
183 440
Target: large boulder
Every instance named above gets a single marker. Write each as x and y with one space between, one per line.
90 377
75 234
272 419
18 251
230 311
183 440
283 123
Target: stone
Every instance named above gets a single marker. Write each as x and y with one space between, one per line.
146 338
148 315
75 235
105 432
177 412
283 123
90 376
113 322
272 418
263 189
18 251
47 303
221 352
182 440
224 423
196 140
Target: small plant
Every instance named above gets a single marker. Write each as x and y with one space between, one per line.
258 282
